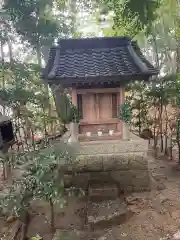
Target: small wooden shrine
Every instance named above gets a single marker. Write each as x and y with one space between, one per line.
97 70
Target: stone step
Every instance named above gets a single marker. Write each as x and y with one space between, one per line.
101 191
100 178
115 147
108 213
65 235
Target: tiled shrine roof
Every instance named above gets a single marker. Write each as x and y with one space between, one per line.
77 61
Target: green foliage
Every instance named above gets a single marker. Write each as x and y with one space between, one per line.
137 98
75 114
42 179
33 20
125 113
32 109
19 79
128 15
38 23
121 25
66 110
19 196
177 20
146 13
36 238
47 174
63 106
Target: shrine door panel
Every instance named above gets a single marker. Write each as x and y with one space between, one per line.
105 105
89 107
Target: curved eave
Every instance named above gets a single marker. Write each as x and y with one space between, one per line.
93 80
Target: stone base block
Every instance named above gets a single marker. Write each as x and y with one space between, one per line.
115 147
129 171
102 191
108 213
111 162
132 180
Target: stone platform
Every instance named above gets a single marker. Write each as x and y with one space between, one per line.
121 162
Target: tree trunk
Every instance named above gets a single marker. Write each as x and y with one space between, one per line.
45 126
6 164
73 16
33 140
139 120
178 138
155 133
19 126
38 53
171 149
161 125
52 220
10 50
26 219
156 50
47 102
161 100
178 68
3 79
166 132
62 104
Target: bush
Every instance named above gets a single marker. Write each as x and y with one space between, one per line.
42 179
125 113
36 238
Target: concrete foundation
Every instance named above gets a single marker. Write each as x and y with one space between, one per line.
121 162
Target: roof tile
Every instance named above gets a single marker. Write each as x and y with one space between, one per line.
83 58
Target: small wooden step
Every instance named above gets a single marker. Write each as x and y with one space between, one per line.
102 191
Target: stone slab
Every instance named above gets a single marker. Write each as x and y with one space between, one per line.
65 235
110 162
107 213
100 177
107 147
102 191
126 180
132 180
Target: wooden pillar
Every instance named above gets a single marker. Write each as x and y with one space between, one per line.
97 107
121 101
74 96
